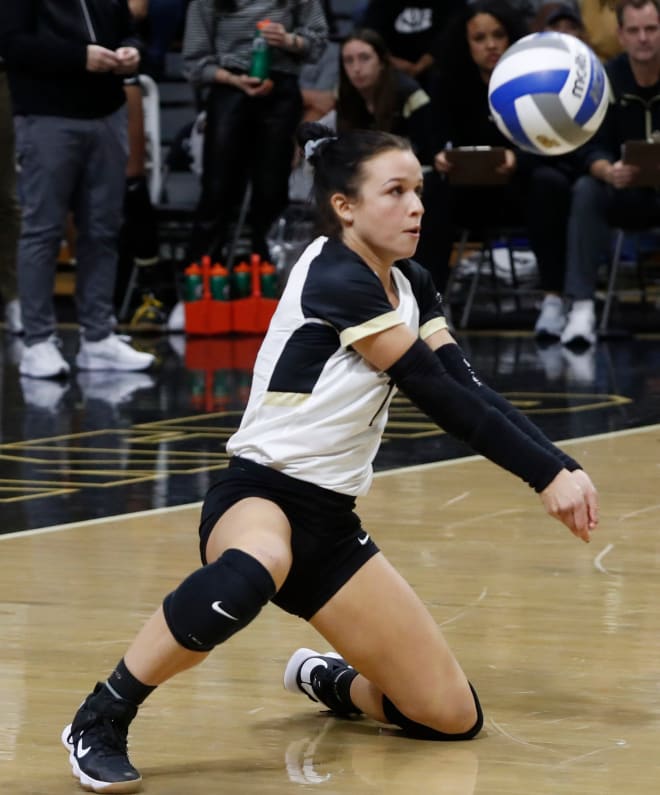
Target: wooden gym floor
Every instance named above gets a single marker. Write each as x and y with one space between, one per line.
561 639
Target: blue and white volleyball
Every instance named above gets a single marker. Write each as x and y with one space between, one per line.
548 93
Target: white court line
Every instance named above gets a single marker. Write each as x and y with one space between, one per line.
599 558
385 473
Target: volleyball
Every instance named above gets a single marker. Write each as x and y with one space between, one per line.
548 93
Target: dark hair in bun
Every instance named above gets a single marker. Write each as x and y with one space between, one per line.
337 162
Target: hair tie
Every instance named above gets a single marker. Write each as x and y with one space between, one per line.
312 146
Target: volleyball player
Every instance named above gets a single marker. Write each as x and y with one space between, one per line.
357 321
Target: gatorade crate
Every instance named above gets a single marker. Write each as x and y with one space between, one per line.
208 317
252 315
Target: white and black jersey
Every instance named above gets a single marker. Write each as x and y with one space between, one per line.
317 409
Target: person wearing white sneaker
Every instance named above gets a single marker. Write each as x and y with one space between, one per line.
614 192
552 318
581 324
111 353
66 77
280 523
43 360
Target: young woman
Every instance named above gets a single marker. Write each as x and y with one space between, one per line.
374 95
357 321
250 122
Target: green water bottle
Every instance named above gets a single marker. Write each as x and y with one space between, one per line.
268 280
260 62
192 284
219 283
241 281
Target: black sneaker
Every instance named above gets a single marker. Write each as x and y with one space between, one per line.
322 678
96 741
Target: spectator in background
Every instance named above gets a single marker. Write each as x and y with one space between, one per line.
564 18
250 122
606 194
551 181
10 213
374 95
467 53
410 30
66 74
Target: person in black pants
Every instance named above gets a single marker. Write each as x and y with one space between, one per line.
250 122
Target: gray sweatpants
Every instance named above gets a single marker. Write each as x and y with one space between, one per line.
78 165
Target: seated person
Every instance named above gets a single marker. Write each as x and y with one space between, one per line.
606 194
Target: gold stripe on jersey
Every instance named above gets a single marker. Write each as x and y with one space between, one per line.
284 398
430 327
381 323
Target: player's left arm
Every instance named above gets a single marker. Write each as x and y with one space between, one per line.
457 365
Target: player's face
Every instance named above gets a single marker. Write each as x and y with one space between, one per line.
487 40
386 217
640 33
361 63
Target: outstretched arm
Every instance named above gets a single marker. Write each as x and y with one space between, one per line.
418 372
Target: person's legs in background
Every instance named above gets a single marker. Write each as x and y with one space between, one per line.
227 151
438 231
549 205
47 151
98 215
274 120
10 214
588 240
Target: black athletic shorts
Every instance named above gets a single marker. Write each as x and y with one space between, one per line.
327 539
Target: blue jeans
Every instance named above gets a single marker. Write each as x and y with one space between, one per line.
596 207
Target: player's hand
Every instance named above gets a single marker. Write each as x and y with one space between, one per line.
128 60
100 59
571 498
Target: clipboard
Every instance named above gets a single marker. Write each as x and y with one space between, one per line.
475 165
646 156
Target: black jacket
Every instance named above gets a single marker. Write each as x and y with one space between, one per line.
44 45
633 115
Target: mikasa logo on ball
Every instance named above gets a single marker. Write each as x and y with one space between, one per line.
580 80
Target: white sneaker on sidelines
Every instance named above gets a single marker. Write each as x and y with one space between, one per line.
13 317
43 360
111 353
552 318
176 320
581 324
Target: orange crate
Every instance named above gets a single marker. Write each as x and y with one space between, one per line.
208 317
252 315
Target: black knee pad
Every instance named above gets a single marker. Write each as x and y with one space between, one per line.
218 600
421 732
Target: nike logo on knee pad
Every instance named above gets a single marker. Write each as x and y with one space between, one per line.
217 606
